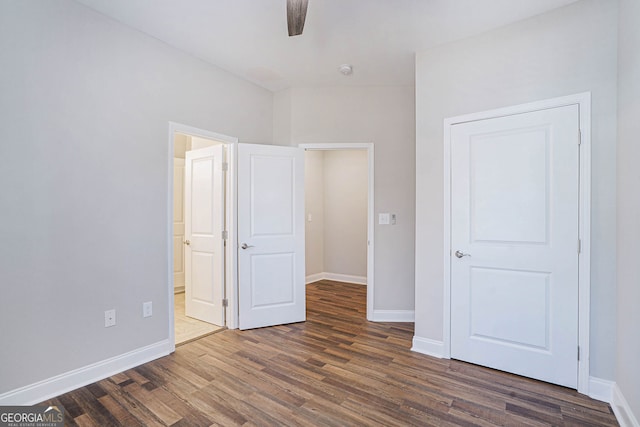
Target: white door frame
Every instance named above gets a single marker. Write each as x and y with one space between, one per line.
583 100
231 276
370 207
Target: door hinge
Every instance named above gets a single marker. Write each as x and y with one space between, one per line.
578 352
225 302
579 136
225 166
225 235
579 245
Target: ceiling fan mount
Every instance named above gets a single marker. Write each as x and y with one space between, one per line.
296 15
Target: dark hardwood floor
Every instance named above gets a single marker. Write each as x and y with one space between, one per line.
335 369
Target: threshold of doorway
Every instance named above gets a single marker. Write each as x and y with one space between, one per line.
188 329
187 341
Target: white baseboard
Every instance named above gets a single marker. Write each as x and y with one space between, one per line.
60 384
393 316
314 278
620 406
600 389
358 280
428 346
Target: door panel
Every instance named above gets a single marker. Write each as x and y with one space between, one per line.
272 268
519 295
271 225
273 186
514 207
204 224
516 188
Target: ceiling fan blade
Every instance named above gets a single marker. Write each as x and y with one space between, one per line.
296 14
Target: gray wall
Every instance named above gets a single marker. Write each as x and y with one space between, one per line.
314 206
85 104
385 117
336 196
567 51
628 350
345 212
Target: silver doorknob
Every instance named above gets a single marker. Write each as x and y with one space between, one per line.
245 246
187 242
460 254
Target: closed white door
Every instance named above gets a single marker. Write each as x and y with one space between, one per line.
178 223
514 244
204 225
271 281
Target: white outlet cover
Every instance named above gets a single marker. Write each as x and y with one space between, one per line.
383 219
109 318
147 309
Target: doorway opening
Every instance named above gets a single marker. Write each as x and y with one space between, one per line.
339 214
200 209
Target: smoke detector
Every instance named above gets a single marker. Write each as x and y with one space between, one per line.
346 69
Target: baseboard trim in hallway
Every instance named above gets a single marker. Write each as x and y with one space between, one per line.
336 277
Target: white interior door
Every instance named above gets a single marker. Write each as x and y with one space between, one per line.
514 243
204 224
178 223
271 285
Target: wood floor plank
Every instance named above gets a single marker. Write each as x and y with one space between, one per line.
129 403
335 369
123 416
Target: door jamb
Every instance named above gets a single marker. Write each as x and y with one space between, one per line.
231 312
583 100
370 208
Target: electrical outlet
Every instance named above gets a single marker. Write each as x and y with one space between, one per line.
109 318
147 309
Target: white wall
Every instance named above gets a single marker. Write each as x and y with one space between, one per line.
282 117
385 117
314 206
198 143
628 337
84 228
345 212
178 218
567 51
181 144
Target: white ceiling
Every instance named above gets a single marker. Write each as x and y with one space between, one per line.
378 37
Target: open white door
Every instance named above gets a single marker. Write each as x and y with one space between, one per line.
514 243
271 285
204 224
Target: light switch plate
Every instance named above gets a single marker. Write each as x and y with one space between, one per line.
383 219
